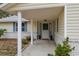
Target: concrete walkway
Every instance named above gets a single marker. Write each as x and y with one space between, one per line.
40 48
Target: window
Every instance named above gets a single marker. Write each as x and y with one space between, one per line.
24 27
45 26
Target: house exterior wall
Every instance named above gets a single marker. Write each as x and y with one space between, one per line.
40 26
8 26
73 26
11 34
36 27
59 36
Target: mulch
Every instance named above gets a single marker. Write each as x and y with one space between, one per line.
8 47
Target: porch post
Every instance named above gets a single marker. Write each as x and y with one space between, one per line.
65 21
19 34
31 32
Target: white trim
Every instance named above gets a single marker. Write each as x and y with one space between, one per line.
2 5
19 34
13 18
65 21
38 6
31 32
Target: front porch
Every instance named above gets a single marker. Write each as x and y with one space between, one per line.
40 48
45 22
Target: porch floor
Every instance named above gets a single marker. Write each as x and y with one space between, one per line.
40 48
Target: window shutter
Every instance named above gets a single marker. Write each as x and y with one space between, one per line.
13 26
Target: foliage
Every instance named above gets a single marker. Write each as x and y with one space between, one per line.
2 31
63 49
26 40
3 14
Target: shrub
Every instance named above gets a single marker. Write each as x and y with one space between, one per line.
28 38
24 41
63 49
2 31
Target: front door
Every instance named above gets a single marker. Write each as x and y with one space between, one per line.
45 31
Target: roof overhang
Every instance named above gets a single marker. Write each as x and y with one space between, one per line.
12 19
2 5
28 6
5 6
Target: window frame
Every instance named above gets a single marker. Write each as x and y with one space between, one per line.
45 26
15 27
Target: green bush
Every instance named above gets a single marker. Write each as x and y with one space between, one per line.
63 49
2 31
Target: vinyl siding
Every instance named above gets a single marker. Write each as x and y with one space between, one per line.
73 26
59 36
10 33
13 34
8 26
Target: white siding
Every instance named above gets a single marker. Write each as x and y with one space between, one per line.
8 26
11 34
14 35
34 28
73 26
59 36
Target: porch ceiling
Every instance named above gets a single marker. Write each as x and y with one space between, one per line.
43 13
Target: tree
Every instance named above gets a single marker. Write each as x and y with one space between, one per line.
3 14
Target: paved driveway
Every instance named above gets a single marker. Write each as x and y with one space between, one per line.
40 48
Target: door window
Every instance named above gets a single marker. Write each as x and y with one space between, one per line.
45 26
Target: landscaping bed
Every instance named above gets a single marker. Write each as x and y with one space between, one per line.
25 42
8 47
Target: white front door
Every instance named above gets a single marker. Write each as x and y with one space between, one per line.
45 31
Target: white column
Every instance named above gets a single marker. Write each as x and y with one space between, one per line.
31 31
65 21
36 29
19 46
